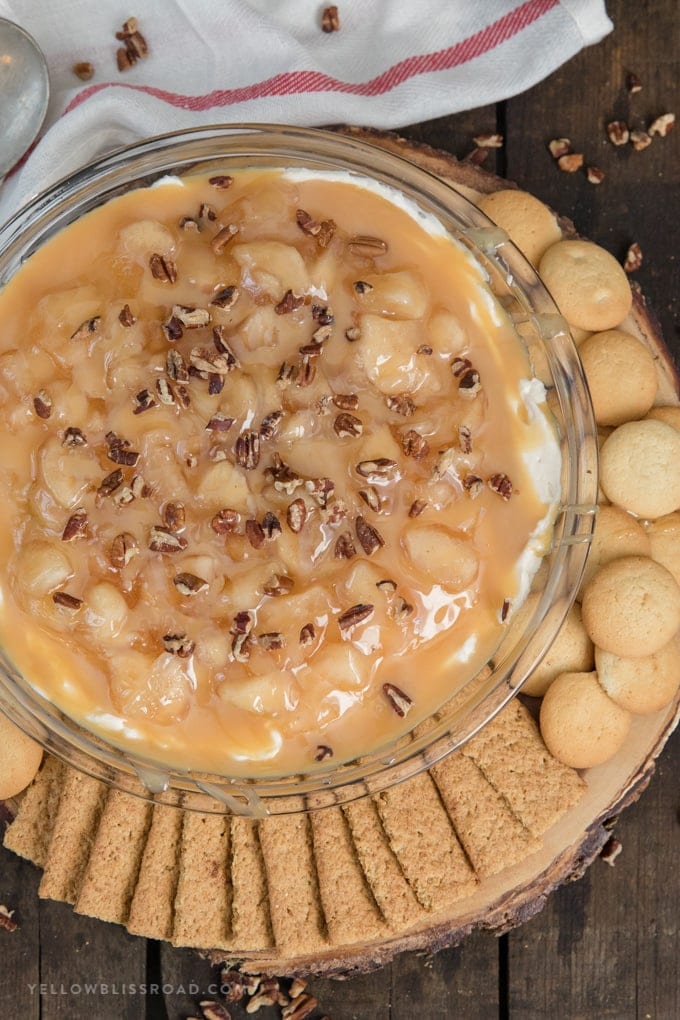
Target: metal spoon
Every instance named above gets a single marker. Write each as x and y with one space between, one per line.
24 93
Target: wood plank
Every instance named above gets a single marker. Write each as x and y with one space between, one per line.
20 950
611 940
185 978
455 133
366 995
640 196
76 951
460 982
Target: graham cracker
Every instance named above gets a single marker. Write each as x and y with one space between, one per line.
292 883
111 873
251 925
510 752
80 806
152 908
492 836
30 833
202 907
394 896
351 912
423 839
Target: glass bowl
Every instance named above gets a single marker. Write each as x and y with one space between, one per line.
554 359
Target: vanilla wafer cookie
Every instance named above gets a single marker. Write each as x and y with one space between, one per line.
580 724
664 541
20 759
492 836
621 376
152 908
250 918
512 755
640 467
590 287
80 806
202 907
30 833
297 917
641 685
111 874
424 842
617 533
529 223
350 909
384 874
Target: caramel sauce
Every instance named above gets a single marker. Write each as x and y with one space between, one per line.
158 584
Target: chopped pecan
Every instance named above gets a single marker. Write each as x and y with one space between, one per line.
209 362
355 615
83 70
322 315
289 303
122 550
501 484
322 752
362 287
287 374
226 521
465 438
165 392
139 487
165 541
469 384
219 423
255 533
618 132
306 371
226 297
223 237
240 647
271 526
387 585
353 334
371 498
190 316
488 141
414 445
189 584
73 436
7 919
223 348
122 455
172 330
633 259
330 19
307 634
206 212
243 622
321 490
162 268
505 609
424 349
570 162
477 156
221 181
369 537
247 450
42 404
307 223
594 175
272 640
559 147
633 83
662 125
346 401
269 425
300 1008
67 601
344 547
284 478
400 609
174 516
179 644
416 508
398 699
76 526
325 235
401 404
125 317
640 140
109 484
296 515
364 244
381 467
346 426
144 401
473 485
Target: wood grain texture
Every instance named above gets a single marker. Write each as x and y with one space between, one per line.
20 950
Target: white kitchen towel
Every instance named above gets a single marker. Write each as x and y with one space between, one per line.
389 64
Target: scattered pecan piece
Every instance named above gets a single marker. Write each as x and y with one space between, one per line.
364 244
465 438
287 374
165 392
135 46
618 132
424 349
489 141
223 237
172 330
595 175
226 298
321 490
219 423
188 223
570 162
289 303
401 404
400 609
271 526
346 401
355 615
190 316
189 584
240 647
640 140
255 533
271 641
344 547
162 268
226 521
87 328
300 1008
76 526
120 454
243 622
559 147
122 550
221 181
139 487
247 450
416 508
369 537
400 702
353 334
284 478
414 445
473 485
269 425
381 467
232 984
346 426
67 601
322 752
174 516
662 125
330 19
307 634
371 498
505 609
42 404
223 348
6 919
633 259
322 315
73 436
296 515
165 541
633 83
179 644
306 371
325 235
144 401
362 287
212 1010
83 70
469 383
125 317
109 484
307 223
501 484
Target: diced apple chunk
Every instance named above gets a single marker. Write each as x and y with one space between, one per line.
106 608
145 238
401 294
340 667
272 266
445 558
43 568
388 352
446 334
155 689
223 485
271 693
67 473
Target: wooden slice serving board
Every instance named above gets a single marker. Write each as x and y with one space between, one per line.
498 903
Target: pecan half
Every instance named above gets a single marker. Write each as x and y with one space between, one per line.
226 521
189 584
501 484
355 615
296 515
165 541
42 404
162 268
247 450
398 699
364 244
346 426
123 549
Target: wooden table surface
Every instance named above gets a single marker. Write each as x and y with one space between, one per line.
607 946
